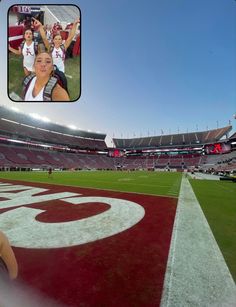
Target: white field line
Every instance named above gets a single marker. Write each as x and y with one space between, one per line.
196 273
204 176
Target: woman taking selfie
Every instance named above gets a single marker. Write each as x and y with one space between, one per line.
43 85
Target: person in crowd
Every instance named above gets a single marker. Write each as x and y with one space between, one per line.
8 263
50 172
28 23
54 29
58 26
29 49
38 39
48 31
43 85
71 49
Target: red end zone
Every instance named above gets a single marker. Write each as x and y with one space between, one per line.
115 268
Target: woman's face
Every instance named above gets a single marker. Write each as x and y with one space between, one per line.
43 65
28 35
57 40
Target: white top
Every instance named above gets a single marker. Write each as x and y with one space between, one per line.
58 57
29 94
29 56
49 35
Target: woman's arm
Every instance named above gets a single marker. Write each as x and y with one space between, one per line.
37 23
18 52
8 256
60 94
72 34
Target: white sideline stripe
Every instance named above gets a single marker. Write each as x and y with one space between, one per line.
204 176
196 273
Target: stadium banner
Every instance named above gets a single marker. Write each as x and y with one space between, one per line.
16 35
21 9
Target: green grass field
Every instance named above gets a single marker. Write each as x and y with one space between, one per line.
216 198
140 182
16 75
218 202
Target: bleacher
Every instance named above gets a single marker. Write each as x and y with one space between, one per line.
226 162
29 143
23 157
160 161
22 127
12 156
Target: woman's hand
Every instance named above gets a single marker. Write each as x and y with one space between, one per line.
36 22
77 21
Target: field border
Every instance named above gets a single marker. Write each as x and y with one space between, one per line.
197 274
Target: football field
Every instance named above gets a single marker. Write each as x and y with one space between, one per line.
105 238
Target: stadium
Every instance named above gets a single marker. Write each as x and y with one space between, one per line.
126 196
159 198
29 143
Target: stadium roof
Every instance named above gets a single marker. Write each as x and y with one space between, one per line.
233 136
181 139
22 118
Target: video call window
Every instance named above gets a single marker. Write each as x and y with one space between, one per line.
44 53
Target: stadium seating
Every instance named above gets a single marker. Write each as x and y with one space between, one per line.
12 156
28 157
23 127
226 162
28 143
179 139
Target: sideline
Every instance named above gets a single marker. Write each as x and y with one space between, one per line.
204 176
196 273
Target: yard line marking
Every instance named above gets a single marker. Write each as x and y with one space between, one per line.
225 188
125 179
196 273
68 76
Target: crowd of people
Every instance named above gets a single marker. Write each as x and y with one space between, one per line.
44 53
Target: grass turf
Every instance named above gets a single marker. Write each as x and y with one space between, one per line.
167 184
16 75
217 200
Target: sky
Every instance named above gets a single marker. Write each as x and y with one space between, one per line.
147 67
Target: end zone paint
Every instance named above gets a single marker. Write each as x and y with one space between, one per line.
123 269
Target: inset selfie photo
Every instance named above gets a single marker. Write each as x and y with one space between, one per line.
44 58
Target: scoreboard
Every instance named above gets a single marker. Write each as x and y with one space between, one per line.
217 148
115 153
